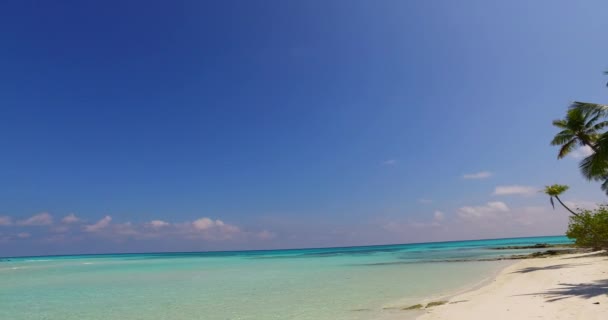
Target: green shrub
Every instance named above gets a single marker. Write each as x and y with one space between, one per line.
590 228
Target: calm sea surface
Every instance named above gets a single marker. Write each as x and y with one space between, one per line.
309 284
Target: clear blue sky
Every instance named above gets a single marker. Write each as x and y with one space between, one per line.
267 124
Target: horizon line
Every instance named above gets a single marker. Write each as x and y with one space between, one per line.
264 250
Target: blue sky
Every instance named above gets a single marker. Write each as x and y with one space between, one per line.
211 125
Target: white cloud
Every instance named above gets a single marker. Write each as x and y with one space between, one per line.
23 235
99 225
212 229
70 218
581 152
203 228
207 229
41 219
438 216
515 190
117 231
200 229
476 212
477 175
389 162
226 228
5 221
158 224
203 224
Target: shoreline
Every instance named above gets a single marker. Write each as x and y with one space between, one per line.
416 308
571 286
401 308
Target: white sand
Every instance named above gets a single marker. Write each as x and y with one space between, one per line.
564 287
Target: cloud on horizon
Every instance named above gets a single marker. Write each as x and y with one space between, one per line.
41 219
494 219
486 220
72 229
158 224
70 218
99 225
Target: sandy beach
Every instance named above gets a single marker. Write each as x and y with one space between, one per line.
563 287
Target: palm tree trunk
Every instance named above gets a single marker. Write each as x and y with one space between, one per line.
560 201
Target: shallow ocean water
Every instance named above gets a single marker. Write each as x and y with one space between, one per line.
357 283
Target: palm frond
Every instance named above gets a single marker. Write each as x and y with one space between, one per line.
566 148
562 137
581 125
560 123
576 117
600 125
594 117
588 107
595 166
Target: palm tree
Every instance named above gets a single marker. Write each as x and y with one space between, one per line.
590 107
554 191
580 127
595 166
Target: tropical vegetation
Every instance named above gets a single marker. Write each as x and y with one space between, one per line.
589 228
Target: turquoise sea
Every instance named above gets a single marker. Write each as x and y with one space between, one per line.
370 282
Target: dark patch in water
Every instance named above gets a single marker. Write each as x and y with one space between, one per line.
332 253
540 254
